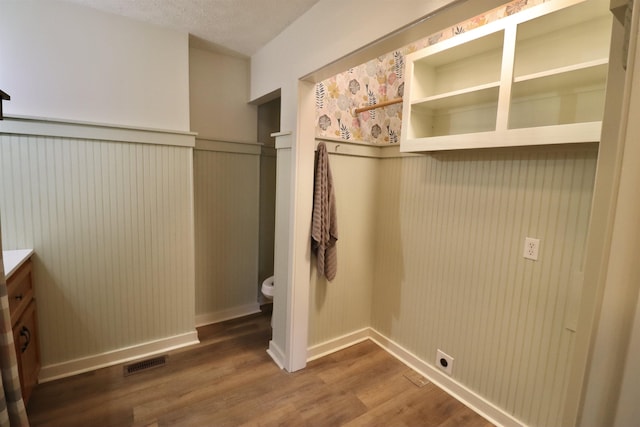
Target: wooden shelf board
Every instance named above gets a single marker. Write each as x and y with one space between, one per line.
596 63
565 81
481 94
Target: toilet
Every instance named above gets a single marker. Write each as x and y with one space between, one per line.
268 288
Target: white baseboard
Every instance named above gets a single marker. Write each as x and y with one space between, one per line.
468 397
331 346
115 357
471 399
276 354
228 314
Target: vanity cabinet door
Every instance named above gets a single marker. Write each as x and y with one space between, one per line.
24 321
25 338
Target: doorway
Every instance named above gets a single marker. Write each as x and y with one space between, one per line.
268 123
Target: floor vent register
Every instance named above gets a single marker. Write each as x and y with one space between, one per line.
144 365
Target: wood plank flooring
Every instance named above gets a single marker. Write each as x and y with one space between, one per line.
229 380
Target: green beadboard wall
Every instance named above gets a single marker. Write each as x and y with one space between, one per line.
450 272
111 224
227 195
432 245
344 305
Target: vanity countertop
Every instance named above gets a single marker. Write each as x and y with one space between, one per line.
14 259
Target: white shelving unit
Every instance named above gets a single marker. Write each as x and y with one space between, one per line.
534 78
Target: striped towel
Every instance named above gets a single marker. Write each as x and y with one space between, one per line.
324 226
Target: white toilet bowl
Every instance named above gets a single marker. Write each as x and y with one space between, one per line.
268 287
267 290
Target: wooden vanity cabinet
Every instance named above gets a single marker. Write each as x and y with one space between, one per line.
24 321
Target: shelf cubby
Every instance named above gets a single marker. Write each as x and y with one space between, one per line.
567 38
472 64
573 95
464 111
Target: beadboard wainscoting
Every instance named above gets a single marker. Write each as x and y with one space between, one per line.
344 304
227 195
447 271
110 218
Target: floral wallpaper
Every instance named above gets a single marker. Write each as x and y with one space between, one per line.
382 79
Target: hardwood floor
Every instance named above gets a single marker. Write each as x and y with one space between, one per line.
229 380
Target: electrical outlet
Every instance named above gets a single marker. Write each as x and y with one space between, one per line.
444 362
531 248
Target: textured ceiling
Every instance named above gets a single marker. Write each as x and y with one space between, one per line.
240 26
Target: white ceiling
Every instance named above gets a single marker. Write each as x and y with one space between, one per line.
239 26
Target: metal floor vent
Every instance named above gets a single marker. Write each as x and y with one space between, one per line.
144 365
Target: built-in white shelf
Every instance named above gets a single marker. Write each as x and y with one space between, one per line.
545 67
445 72
593 70
460 98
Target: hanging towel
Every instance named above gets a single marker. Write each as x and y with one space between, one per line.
324 227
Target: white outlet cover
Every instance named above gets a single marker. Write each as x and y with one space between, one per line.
444 362
531 248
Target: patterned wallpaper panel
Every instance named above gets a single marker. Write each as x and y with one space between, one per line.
382 79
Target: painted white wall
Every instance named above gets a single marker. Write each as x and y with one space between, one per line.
327 32
219 94
64 61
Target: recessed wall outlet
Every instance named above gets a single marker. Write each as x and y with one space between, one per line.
531 248
444 362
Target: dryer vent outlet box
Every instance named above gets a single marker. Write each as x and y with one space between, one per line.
444 362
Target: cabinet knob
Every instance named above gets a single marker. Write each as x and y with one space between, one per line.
19 297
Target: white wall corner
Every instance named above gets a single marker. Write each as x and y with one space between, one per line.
336 344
